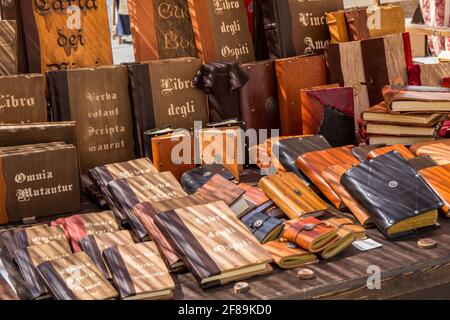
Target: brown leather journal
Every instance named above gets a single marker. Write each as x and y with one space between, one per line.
41 234
347 225
292 195
288 255
221 31
219 188
168 154
313 163
294 74
438 150
161 29
437 178
404 151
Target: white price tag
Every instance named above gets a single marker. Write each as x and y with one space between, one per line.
366 245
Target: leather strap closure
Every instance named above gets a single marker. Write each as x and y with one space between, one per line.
306 227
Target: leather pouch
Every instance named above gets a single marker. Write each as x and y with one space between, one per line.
288 256
313 163
194 179
337 24
437 178
263 227
398 200
438 150
310 234
292 195
401 149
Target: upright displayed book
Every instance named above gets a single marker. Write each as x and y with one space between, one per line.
215 246
22 99
161 29
57 36
164 95
221 30
139 272
99 101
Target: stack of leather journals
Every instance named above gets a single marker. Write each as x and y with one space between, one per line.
409 115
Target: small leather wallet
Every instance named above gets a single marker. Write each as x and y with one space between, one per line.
265 228
288 255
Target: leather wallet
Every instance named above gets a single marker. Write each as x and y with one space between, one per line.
288 150
329 112
398 199
438 150
194 179
337 25
332 176
438 177
292 195
265 228
287 255
401 149
313 163
310 234
362 152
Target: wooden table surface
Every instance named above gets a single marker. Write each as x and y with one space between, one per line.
406 272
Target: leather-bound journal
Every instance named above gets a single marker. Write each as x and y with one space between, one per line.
337 25
264 227
94 245
438 150
194 179
60 275
288 255
37 235
437 178
139 272
208 237
398 200
357 26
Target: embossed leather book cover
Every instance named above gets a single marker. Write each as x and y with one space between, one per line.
292 195
29 258
102 175
99 101
60 276
221 30
215 246
22 99
297 27
259 96
152 187
38 235
94 245
41 190
391 20
398 200
139 272
9 46
81 225
161 29
31 133
294 74
57 37
164 95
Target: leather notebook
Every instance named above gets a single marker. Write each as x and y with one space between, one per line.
291 148
401 149
94 245
288 255
292 195
329 112
437 179
139 272
80 225
194 179
390 17
204 237
345 225
161 29
291 81
357 24
37 235
102 175
99 101
438 150
168 154
221 82
313 163
52 43
29 258
23 98
221 31
259 97
146 213
398 200
337 25
254 195
152 187
163 94
264 227
344 240
89 188
60 275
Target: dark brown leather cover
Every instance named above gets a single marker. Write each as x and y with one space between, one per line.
296 28
41 190
401 149
437 177
22 98
99 101
164 148
357 24
259 97
313 163
438 150
161 29
290 82
51 45
221 31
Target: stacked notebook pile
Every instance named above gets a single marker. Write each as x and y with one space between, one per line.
409 115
